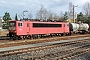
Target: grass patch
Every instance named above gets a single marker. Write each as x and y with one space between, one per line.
3 32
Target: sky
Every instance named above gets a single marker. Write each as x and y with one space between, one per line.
56 6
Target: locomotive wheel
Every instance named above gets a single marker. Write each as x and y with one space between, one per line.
35 36
24 37
19 38
29 36
14 37
62 34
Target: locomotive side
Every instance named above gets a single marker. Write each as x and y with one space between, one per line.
28 29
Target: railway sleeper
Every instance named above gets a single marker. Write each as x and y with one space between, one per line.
41 50
67 55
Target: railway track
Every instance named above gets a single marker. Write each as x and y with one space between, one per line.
67 50
8 43
66 54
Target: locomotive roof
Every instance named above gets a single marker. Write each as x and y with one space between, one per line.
37 21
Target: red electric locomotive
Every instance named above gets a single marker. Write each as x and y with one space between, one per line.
28 29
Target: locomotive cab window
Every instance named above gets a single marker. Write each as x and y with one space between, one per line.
12 24
19 24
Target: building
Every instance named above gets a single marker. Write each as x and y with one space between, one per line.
71 20
1 20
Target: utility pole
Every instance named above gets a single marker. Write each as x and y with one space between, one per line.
73 13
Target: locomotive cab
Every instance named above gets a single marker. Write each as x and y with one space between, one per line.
18 28
12 28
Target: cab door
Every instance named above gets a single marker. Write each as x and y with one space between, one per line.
20 28
28 28
66 28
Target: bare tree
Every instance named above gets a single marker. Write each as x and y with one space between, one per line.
42 13
30 15
56 17
86 9
61 13
61 16
52 16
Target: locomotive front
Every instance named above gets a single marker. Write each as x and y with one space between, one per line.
12 28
